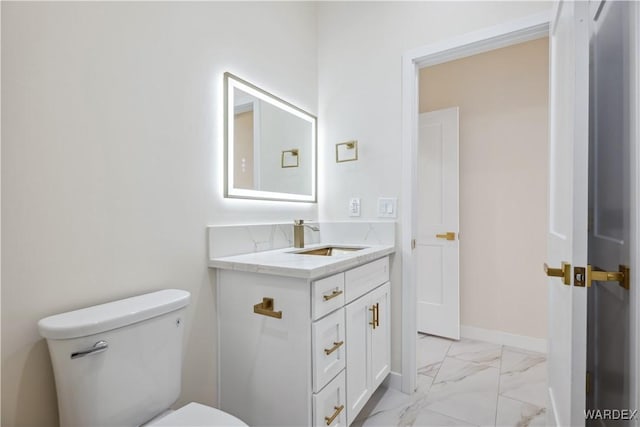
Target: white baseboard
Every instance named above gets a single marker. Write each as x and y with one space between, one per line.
393 380
504 338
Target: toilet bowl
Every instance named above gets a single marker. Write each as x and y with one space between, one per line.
120 363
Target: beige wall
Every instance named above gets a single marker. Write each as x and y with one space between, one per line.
503 100
112 163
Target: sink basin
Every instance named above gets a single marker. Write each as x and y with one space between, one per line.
329 251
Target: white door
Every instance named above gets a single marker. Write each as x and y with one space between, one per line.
436 246
568 210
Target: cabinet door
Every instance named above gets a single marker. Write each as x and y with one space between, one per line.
358 317
380 336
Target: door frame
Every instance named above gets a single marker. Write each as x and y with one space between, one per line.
635 212
518 31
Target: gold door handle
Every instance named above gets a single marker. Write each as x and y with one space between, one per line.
330 419
564 272
449 235
332 295
266 308
336 345
594 274
375 322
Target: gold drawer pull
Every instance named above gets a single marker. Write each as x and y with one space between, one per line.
333 295
336 345
330 419
266 308
449 235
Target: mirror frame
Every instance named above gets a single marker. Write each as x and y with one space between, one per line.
232 82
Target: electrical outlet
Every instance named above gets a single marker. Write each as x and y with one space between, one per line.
354 206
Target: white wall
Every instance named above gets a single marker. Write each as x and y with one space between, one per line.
112 168
360 45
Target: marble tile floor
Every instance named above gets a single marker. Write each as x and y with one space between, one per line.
465 383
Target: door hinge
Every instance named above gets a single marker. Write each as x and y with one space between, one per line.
588 383
413 243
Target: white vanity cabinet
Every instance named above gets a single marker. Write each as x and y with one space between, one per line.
302 351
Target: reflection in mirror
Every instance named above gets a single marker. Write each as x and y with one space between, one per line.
271 145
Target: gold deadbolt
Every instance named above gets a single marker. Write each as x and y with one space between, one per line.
449 235
564 272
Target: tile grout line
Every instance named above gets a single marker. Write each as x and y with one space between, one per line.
440 367
495 419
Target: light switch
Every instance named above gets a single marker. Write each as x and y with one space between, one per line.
354 206
387 207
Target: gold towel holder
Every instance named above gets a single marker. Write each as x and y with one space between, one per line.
266 308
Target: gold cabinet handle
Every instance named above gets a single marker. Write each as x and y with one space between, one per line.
449 235
336 345
330 419
266 308
564 272
594 274
332 295
375 322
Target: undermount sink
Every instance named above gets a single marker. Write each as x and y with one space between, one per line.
330 250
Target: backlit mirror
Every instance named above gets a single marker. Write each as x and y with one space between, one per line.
270 145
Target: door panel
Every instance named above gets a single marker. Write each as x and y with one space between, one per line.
608 318
380 336
357 321
568 209
438 258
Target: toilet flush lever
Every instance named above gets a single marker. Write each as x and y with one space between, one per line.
98 347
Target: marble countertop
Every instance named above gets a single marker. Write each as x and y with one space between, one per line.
286 262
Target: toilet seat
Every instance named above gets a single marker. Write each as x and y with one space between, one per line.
197 415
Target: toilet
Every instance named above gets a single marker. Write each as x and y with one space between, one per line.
120 364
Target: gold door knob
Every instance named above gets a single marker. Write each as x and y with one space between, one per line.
564 272
449 235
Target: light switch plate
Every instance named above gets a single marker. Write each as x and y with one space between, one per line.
354 206
387 207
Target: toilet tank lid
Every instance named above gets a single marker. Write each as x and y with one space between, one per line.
112 315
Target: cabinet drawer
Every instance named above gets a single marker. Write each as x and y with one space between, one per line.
328 348
329 406
328 295
362 279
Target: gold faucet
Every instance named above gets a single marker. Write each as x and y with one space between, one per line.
298 232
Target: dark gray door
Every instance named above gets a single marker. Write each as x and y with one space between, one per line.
608 302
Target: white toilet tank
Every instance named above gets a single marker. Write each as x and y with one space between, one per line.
118 364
